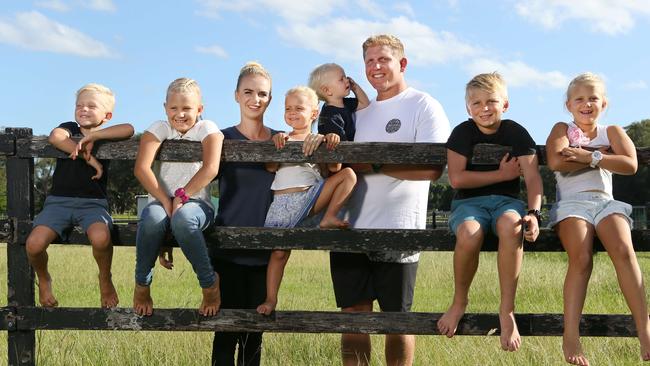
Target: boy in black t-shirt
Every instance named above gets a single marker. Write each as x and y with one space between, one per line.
78 195
338 113
487 200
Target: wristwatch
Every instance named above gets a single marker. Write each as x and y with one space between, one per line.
537 213
596 157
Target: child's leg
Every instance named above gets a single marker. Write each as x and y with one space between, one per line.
152 227
36 246
187 225
335 193
576 236
614 233
469 238
509 258
100 239
274 274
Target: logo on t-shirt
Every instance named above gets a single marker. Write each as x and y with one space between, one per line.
393 125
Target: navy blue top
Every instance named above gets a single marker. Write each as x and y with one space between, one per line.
244 198
72 178
466 135
341 121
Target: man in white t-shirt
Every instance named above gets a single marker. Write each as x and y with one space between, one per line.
387 197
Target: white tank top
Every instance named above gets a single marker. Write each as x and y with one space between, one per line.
588 179
296 175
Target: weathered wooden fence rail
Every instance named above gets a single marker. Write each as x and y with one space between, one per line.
21 317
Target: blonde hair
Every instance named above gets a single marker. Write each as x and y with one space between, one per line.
252 68
184 86
385 40
587 78
306 91
489 82
105 94
317 77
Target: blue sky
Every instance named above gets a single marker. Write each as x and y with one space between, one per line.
49 48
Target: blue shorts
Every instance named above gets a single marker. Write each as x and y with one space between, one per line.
484 209
288 210
61 214
589 206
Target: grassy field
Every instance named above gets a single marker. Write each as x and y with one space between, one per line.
307 287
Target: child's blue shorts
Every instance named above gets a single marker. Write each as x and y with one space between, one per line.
61 214
288 210
484 209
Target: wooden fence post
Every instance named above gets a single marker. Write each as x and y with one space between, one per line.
20 287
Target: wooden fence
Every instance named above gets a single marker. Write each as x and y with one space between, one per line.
21 318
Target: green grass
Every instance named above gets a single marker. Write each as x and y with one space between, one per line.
307 287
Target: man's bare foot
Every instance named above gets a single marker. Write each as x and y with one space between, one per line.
211 299
142 301
45 294
572 349
107 293
510 338
448 322
266 308
333 223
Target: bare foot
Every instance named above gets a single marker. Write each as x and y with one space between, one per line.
107 293
644 342
142 301
510 338
448 322
45 295
333 223
266 308
211 299
573 351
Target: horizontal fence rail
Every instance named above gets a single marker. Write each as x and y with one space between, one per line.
21 318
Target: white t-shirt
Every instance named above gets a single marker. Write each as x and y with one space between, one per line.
383 202
587 179
296 175
172 175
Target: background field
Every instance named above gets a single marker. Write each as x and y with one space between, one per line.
307 287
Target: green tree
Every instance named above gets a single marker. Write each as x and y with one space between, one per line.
633 189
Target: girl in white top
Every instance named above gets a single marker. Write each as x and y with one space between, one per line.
179 195
299 190
579 154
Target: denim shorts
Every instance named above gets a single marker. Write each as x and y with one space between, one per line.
288 210
589 206
61 214
484 209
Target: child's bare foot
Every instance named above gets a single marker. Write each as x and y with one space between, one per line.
573 351
510 338
644 342
45 294
142 301
448 322
266 308
211 299
333 222
107 293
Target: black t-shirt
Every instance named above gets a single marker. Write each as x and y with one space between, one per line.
72 178
244 198
511 134
341 121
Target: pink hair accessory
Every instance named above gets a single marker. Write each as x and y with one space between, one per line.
577 137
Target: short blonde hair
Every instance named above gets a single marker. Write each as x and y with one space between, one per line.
317 77
252 68
306 91
489 82
184 86
587 78
385 40
105 94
